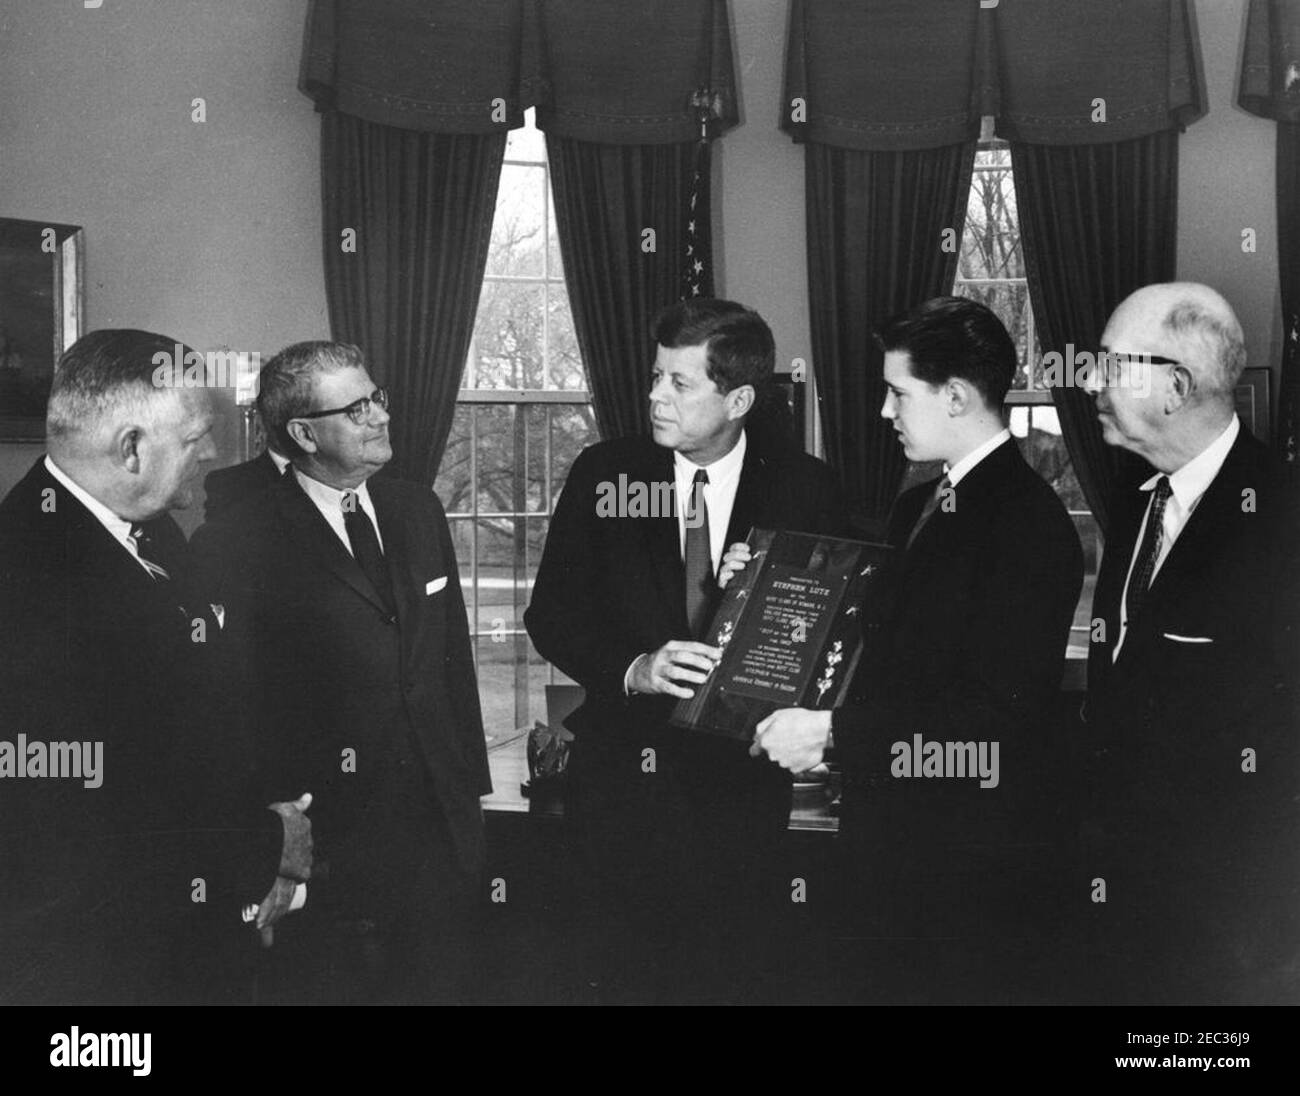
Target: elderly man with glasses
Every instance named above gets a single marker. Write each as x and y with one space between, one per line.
348 653
1189 866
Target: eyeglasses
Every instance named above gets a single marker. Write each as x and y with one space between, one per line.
1110 363
358 410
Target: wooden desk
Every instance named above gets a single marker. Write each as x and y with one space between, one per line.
508 763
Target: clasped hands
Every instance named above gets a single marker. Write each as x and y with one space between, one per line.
295 865
794 738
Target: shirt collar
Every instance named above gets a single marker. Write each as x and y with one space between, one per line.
119 527
1193 479
331 498
963 467
721 471
280 462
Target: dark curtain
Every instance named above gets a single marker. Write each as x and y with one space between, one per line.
421 205
1270 88
1096 223
606 196
876 224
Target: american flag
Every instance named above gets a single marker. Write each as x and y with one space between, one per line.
697 262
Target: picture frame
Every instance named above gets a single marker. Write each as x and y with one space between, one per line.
42 310
1253 397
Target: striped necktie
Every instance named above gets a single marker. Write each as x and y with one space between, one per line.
1144 567
146 550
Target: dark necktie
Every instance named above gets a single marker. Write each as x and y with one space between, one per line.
927 511
1145 564
699 557
365 547
146 548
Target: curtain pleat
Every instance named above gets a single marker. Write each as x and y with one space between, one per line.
1097 222
876 223
607 197
421 206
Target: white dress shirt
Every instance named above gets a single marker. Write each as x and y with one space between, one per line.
118 528
964 466
329 501
719 498
1186 486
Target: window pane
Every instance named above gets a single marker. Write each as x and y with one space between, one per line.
565 360
453 484
573 428
517 243
991 241
507 349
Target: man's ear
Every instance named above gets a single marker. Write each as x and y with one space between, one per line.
959 394
740 401
1182 384
301 433
126 448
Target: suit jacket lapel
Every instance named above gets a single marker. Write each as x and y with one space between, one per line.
664 542
313 534
399 553
746 510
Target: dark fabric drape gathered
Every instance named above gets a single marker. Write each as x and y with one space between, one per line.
1288 255
606 198
876 223
1270 88
421 205
1096 222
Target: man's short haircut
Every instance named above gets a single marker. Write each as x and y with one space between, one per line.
285 385
739 345
950 337
103 373
1218 336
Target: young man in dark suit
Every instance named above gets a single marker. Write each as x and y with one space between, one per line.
353 666
1192 675
969 649
679 825
102 647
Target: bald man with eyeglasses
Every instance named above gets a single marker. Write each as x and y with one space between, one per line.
349 654
1191 718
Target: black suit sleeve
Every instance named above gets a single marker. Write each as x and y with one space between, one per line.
567 626
462 678
1008 667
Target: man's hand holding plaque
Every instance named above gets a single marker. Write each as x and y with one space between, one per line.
678 664
795 738
787 633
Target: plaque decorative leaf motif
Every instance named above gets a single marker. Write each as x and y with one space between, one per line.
833 658
724 635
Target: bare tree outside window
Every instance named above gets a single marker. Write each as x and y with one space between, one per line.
522 416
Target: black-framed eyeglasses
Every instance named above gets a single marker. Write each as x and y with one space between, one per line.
358 410
1110 361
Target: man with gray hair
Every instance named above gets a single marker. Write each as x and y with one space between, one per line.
1191 674
109 864
345 618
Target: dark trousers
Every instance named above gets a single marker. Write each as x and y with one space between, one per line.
678 865
399 933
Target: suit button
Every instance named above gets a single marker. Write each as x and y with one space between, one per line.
390 619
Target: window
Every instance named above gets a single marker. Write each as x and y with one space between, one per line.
991 269
523 415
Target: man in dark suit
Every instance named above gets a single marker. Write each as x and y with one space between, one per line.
1191 676
969 649
622 594
108 874
225 487
345 617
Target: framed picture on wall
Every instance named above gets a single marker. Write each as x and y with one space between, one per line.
1253 394
42 303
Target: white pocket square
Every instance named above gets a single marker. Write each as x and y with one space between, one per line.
1188 639
434 585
